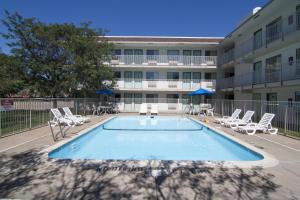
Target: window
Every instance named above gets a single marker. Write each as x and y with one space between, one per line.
172 98
151 98
173 52
173 55
298 63
133 56
173 75
117 75
291 19
152 75
117 52
257 73
117 97
210 53
209 76
257 40
274 30
186 76
298 16
297 96
273 67
196 77
151 52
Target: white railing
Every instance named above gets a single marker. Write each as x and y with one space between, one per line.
164 84
170 60
251 45
284 72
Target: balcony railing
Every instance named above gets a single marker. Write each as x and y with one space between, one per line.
253 44
227 57
170 60
284 72
164 84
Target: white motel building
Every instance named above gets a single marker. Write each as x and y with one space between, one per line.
258 60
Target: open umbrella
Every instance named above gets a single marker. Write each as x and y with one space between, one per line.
107 92
201 92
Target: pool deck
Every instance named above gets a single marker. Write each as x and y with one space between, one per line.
25 174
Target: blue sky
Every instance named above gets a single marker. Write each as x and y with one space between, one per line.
215 18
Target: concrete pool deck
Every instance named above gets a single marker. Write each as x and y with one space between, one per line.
25 175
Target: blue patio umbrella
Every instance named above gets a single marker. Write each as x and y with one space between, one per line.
107 92
201 92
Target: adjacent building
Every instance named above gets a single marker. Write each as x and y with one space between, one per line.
260 59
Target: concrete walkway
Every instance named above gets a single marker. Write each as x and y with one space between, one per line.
26 175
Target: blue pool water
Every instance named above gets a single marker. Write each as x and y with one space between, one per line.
158 138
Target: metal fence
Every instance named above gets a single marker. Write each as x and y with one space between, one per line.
287 114
17 115
20 114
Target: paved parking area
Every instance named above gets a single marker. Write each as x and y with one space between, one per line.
26 175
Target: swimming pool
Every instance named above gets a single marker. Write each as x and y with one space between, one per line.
158 138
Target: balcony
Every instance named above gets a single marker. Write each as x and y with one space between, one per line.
266 39
285 74
164 85
227 57
163 60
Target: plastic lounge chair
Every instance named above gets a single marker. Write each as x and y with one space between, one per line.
60 119
154 109
263 125
234 116
143 109
247 118
80 118
210 112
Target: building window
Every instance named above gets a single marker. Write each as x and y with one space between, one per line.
117 52
152 75
117 75
257 73
297 96
274 30
172 98
298 63
151 52
173 76
257 40
151 98
273 67
117 97
210 53
298 16
210 76
291 19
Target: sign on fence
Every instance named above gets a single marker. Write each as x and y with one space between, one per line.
6 104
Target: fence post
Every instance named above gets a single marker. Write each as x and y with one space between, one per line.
285 120
30 115
222 108
0 121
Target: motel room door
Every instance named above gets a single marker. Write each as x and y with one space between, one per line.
128 102
137 101
186 80
138 77
128 78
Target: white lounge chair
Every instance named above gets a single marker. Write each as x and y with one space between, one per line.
210 112
60 119
154 109
263 125
234 116
247 118
143 109
79 118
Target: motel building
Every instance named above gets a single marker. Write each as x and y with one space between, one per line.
258 60
162 70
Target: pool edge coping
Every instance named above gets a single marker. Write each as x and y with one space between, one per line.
267 161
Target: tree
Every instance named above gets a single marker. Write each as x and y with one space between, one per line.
58 59
10 75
